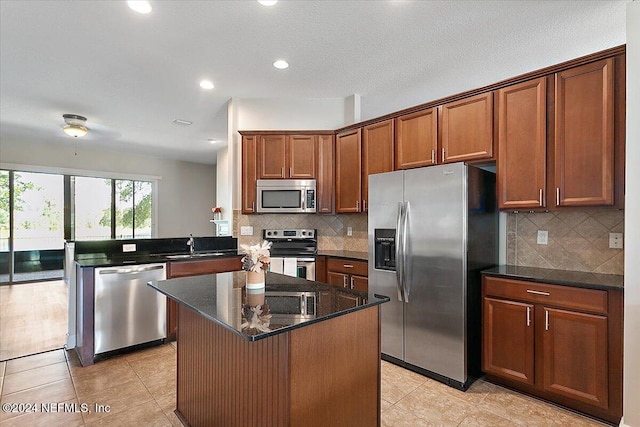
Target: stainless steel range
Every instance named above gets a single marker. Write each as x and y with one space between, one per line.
293 252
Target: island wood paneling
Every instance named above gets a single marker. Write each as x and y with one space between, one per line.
322 374
224 380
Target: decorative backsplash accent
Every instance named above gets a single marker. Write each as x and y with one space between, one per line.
578 240
332 229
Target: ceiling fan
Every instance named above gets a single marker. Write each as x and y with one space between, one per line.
74 125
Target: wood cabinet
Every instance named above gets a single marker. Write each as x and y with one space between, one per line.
249 173
377 153
325 174
467 129
194 268
286 157
522 145
348 274
348 171
416 141
561 343
584 135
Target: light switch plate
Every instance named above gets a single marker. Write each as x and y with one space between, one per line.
615 241
349 231
543 237
129 247
246 230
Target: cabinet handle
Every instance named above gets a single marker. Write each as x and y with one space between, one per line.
538 292
443 155
557 196
528 316
253 206
290 171
540 197
546 320
433 157
352 285
358 205
283 172
364 205
344 281
347 265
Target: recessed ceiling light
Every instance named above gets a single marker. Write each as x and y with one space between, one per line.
281 64
139 6
267 2
213 140
206 84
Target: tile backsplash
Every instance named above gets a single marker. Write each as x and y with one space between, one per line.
332 229
578 240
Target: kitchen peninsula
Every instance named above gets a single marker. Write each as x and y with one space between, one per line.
236 366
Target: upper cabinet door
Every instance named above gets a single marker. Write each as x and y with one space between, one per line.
272 157
377 153
584 135
417 139
467 129
249 174
301 156
522 145
348 168
325 176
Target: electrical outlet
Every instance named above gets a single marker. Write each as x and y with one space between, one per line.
349 231
543 237
129 247
615 240
246 230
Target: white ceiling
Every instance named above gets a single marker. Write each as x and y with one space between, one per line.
131 75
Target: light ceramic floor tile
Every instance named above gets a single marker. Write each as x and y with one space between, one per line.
57 391
77 370
161 384
395 417
34 377
431 404
147 414
482 418
68 415
154 364
35 361
518 408
119 398
102 379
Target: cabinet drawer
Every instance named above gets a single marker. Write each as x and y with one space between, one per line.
591 300
347 266
193 268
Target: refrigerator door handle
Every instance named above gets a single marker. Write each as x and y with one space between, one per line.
406 268
399 254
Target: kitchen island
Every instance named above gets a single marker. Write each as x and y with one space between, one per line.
298 360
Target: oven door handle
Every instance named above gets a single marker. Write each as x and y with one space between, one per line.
305 259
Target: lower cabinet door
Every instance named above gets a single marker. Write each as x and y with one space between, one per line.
575 356
338 280
508 336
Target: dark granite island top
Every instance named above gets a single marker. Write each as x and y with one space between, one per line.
221 298
359 256
312 370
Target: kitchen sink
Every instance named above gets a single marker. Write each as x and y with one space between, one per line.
196 255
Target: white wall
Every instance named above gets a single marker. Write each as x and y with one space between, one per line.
632 224
186 191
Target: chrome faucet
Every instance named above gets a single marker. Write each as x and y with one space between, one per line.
191 243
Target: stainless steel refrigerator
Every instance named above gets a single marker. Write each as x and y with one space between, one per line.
431 231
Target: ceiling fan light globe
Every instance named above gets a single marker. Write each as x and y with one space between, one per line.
75 131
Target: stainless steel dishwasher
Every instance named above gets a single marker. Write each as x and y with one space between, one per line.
127 311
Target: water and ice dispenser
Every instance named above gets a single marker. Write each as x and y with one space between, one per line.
385 248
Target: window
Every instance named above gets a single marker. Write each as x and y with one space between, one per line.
92 202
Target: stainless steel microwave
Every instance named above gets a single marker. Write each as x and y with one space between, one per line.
286 196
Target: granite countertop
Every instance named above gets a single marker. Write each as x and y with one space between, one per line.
581 279
360 256
106 260
223 299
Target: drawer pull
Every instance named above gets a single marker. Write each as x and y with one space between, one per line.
347 265
528 316
538 292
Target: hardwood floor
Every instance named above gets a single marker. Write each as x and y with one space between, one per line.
33 318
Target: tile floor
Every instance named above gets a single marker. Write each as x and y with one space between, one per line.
139 389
